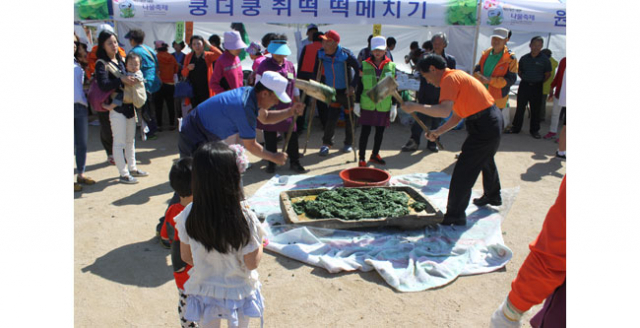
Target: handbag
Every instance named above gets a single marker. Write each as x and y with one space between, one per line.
95 95
183 89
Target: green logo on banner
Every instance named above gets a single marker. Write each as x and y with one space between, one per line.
127 9
91 9
179 32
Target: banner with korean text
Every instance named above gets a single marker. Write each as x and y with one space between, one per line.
519 15
399 12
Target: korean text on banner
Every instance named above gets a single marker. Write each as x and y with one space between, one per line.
366 12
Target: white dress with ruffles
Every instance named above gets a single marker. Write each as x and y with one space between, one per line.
220 286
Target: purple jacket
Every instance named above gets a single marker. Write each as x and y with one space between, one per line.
289 72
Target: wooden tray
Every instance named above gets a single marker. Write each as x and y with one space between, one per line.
431 215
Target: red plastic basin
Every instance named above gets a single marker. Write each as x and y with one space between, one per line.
364 177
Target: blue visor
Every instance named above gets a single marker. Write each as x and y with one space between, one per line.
279 47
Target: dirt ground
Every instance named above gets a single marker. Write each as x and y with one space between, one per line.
123 277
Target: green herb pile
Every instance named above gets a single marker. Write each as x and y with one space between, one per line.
353 204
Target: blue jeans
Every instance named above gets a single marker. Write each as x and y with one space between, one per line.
80 134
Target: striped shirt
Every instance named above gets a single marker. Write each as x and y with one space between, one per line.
532 69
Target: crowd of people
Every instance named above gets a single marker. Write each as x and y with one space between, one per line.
221 113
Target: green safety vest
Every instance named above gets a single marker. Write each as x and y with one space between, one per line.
369 80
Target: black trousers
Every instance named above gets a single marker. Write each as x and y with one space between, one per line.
477 156
106 136
333 113
165 94
531 94
416 131
271 144
364 138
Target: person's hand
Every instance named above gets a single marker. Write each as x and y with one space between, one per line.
506 316
483 79
297 109
550 97
191 67
280 158
432 135
351 91
128 80
394 113
356 109
410 106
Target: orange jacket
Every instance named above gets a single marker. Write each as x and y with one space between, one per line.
167 65
209 57
545 268
504 75
92 57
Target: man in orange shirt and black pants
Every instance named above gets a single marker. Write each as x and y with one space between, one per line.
469 99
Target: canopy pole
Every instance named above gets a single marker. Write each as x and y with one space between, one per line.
475 44
549 40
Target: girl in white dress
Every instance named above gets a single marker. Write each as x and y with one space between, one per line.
222 238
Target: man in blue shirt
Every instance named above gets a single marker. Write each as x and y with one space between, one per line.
149 67
236 112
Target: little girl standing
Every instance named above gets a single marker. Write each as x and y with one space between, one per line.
222 239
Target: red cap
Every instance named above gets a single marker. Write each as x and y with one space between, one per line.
331 34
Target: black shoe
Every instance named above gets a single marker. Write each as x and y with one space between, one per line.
512 131
484 200
297 167
411 145
454 221
271 168
432 147
560 156
536 135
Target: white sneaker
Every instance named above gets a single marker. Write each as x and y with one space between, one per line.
128 179
138 173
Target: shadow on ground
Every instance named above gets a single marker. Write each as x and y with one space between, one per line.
142 264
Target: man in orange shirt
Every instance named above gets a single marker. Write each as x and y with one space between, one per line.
542 275
469 99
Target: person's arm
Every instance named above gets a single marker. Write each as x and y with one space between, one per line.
544 269
520 67
508 79
440 110
186 67
252 260
353 63
102 78
256 149
301 58
452 62
448 125
275 116
212 55
185 253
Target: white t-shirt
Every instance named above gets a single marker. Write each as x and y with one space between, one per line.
217 275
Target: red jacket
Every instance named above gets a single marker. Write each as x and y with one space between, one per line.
545 269
167 65
557 81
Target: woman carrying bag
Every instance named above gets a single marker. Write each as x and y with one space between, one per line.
110 76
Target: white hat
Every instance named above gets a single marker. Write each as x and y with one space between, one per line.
500 33
276 83
378 42
104 27
233 41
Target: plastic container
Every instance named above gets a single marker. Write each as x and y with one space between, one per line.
365 177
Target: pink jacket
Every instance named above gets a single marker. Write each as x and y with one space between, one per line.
227 69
